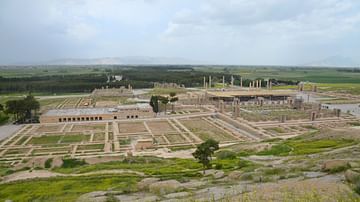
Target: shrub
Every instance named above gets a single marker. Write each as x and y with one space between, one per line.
339 169
72 163
357 187
48 163
244 153
225 154
274 171
246 176
218 166
280 149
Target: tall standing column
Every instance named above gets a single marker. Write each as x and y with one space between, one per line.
241 82
209 81
223 81
204 82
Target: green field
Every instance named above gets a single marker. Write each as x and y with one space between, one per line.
65 188
53 139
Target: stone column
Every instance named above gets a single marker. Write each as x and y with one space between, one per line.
313 116
283 118
236 108
209 81
241 82
204 82
223 81
221 106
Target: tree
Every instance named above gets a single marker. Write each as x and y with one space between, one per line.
164 100
17 108
204 151
22 109
172 100
154 103
31 104
1 107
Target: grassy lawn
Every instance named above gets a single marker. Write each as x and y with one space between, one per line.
75 138
70 188
90 146
352 88
302 147
53 139
65 188
148 165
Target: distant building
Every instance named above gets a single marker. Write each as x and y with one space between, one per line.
113 92
244 96
97 114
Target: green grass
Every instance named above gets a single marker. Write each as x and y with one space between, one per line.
75 138
276 150
352 88
303 147
72 163
48 163
90 146
53 139
310 147
3 118
65 188
148 165
125 141
355 123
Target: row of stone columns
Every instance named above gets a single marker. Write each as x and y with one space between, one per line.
253 84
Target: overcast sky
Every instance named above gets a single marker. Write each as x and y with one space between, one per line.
283 32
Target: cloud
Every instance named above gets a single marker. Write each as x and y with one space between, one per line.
226 31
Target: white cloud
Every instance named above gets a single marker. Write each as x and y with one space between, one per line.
222 31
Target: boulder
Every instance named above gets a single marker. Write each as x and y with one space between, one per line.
332 165
354 164
193 184
96 196
235 175
165 187
143 197
177 195
219 174
352 176
215 173
146 182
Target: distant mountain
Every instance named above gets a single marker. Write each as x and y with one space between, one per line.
334 61
132 60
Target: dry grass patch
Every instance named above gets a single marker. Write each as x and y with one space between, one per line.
132 127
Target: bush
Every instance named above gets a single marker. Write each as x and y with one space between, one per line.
218 166
339 169
244 153
357 187
280 149
48 163
225 154
72 163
